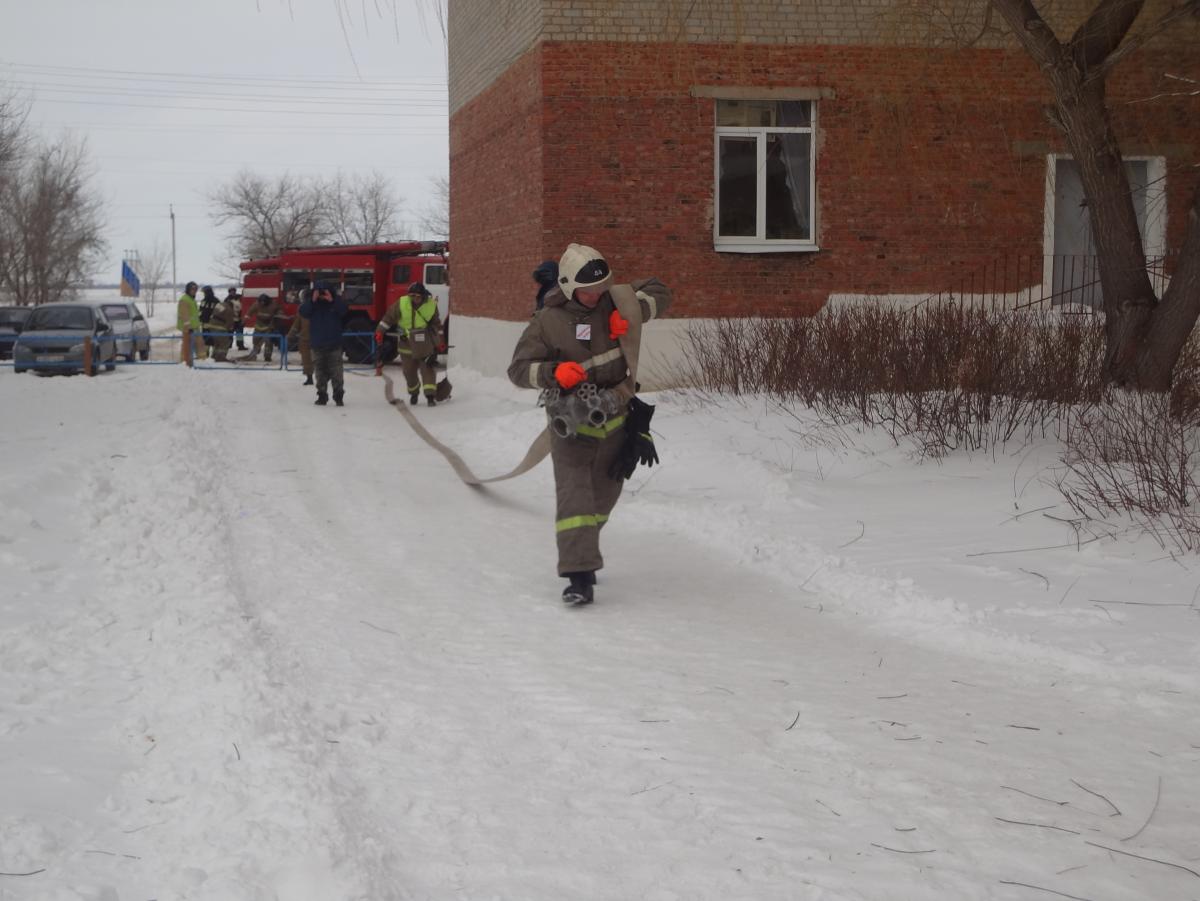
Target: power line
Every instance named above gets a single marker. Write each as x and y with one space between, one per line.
247 129
245 79
114 92
256 111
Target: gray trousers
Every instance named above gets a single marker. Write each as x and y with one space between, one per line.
327 361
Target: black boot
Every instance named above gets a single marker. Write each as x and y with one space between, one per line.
337 398
414 398
430 401
322 399
579 589
308 380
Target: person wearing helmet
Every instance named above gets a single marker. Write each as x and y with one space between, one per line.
418 327
265 312
238 328
581 337
220 326
208 305
187 319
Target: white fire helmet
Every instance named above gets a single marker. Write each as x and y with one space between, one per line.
583 267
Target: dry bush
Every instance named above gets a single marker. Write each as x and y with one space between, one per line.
1129 456
939 377
944 378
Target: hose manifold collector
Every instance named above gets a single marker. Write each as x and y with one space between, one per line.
587 405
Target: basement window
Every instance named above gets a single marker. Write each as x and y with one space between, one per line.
765 176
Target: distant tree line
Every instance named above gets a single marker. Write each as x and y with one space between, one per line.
264 214
51 222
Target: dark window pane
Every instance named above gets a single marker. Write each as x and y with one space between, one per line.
401 274
795 113
789 158
764 113
737 187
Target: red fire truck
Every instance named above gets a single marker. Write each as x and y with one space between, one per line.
371 277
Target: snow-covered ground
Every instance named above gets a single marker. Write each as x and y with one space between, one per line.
256 649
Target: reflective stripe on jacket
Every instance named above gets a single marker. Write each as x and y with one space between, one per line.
420 327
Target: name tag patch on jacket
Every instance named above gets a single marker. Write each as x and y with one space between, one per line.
418 336
583 331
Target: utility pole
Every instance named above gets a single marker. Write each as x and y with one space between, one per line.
174 278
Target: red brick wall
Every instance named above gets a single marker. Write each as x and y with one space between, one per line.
931 167
496 195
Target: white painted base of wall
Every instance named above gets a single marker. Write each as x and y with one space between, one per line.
486 346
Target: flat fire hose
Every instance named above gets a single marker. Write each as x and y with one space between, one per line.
537 452
626 302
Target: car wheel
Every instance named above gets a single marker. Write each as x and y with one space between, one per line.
18 369
111 364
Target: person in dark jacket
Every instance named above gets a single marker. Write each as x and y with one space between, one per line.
238 329
208 306
546 275
326 312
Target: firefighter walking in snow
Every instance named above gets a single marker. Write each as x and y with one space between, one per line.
419 327
576 350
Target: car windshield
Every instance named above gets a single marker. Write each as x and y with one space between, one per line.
13 315
47 318
115 311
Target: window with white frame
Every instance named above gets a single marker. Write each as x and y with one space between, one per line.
765 179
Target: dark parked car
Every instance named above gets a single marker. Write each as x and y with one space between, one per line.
129 328
12 320
53 338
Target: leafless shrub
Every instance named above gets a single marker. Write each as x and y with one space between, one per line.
1131 457
939 378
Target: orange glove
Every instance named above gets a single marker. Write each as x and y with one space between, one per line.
618 325
569 374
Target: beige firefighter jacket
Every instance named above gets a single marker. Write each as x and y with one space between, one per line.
265 315
301 330
224 317
566 330
421 340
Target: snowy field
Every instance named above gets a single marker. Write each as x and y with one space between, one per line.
257 650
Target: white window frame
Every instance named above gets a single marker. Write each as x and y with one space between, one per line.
760 243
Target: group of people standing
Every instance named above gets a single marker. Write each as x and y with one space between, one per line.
209 325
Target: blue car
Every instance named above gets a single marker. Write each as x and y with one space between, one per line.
12 320
54 335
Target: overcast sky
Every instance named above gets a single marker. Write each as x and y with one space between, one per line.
175 96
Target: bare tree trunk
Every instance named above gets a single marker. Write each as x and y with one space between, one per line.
1144 336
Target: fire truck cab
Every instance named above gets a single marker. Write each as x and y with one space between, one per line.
371 277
